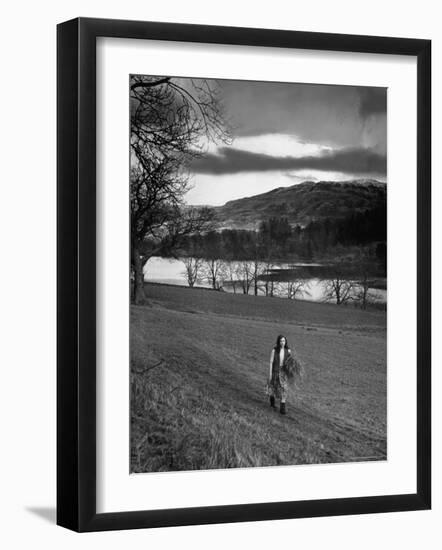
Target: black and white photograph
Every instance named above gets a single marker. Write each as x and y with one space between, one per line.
231 325
258 274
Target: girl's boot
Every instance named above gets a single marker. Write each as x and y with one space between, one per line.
282 409
272 401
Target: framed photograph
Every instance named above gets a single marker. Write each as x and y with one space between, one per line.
243 274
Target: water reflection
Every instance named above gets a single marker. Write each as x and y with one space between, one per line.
275 280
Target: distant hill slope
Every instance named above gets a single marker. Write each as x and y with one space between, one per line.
301 203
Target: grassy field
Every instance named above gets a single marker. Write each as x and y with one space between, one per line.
199 363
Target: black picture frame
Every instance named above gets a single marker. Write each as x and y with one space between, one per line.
76 274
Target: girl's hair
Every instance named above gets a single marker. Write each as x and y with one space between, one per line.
278 342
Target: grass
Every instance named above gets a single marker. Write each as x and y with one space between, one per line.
199 365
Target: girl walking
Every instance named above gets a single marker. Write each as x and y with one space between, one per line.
283 368
277 384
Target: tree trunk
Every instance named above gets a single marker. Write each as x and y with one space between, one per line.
364 292
138 295
338 292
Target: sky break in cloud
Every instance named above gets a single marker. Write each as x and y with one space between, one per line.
285 133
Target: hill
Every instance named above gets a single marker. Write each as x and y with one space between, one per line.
199 363
302 203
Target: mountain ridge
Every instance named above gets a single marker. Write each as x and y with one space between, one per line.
302 203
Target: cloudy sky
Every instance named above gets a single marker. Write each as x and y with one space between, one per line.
284 134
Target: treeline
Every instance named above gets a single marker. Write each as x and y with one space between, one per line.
277 239
351 252
342 282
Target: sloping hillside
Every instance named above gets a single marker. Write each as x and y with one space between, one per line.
302 203
199 365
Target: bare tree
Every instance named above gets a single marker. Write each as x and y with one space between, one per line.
232 270
338 289
258 269
170 116
245 275
269 284
296 287
362 293
171 122
160 231
192 270
214 271
367 267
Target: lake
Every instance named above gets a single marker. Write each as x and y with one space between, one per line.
172 271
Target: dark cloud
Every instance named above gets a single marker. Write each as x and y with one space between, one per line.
315 113
322 114
234 161
373 101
